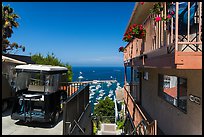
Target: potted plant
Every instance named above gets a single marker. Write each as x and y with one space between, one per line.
157 9
134 31
122 49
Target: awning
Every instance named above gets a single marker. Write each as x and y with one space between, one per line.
7 59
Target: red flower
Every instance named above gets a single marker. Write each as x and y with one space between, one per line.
128 36
172 12
168 16
141 3
141 28
157 18
134 31
134 25
121 49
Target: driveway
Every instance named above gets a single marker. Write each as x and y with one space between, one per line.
16 127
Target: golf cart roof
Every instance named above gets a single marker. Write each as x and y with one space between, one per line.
41 68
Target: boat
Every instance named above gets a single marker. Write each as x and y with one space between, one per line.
95 103
92 86
109 95
98 86
101 94
109 84
101 91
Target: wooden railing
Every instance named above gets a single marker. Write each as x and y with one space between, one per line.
133 49
137 116
166 36
152 128
133 89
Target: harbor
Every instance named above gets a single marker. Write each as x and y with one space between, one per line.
97 81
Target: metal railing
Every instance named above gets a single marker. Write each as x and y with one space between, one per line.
71 87
76 112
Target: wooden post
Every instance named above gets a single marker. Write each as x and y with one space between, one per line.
176 28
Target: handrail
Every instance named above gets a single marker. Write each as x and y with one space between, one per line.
79 119
76 104
137 107
151 128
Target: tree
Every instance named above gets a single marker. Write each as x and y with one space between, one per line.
105 108
8 22
50 59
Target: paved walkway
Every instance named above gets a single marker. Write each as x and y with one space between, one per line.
109 129
14 127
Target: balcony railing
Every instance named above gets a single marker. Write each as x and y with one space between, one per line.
71 87
137 116
133 89
76 113
164 37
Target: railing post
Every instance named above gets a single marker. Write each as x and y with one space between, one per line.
64 118
164 27
188 37
200 23
176 27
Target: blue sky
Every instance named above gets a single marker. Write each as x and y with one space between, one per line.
78 33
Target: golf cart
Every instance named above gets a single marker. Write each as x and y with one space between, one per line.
39 95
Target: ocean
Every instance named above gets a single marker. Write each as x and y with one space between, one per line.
99 73
100 91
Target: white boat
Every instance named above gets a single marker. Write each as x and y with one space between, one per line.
95 103
109 84
109 95
101 94
92 90
111 91
98 86
101 91
90 87
99 98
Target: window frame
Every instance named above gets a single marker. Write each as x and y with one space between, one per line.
163 95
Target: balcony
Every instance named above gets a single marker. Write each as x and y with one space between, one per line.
165 44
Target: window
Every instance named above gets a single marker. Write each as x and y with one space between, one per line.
174 90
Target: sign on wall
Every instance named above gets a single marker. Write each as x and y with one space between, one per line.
194 99
146 75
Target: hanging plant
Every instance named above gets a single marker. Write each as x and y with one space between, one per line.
157 9
134 31
141 3
122 49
